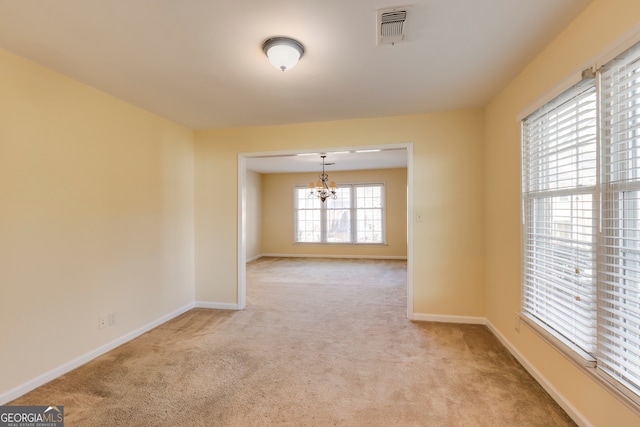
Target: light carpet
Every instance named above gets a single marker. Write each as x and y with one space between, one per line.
321 343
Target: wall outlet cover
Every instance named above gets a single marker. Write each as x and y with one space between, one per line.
102 322
112 318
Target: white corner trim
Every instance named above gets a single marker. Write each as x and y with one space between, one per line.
217 305
564 403
423 317
87 357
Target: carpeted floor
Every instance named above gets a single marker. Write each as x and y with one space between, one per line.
322 342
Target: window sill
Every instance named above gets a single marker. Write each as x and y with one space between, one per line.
570 350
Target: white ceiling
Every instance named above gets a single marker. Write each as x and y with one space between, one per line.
200 63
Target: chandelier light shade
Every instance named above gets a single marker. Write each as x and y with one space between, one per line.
283 52
323 189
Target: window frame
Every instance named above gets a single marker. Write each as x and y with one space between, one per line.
557 303
616 207
353 220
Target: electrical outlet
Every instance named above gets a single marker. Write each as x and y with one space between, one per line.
516 322
112 318
102 322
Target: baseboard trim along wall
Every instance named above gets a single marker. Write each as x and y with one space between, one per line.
571 410
69 366
422 317
217 305
329 256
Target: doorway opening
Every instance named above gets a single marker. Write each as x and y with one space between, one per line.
274 157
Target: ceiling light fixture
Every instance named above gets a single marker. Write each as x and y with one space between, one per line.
283 52
323 189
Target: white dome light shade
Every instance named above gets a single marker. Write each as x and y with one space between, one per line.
283 57
283 52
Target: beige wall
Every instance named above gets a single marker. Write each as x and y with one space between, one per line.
96 215
254 215
448 192
599 26
278 215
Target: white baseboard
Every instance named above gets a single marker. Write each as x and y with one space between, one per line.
564 403
217 305
333 256
79 361
422 317
253 258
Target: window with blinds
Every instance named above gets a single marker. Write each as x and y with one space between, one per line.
581 220
619 267
559 200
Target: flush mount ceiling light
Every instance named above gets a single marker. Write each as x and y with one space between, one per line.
283 52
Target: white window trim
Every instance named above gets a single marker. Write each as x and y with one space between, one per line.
546 182
353 209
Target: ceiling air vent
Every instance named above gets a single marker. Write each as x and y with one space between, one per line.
391 25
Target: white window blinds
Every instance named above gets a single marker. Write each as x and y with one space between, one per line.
559 154
619 267
581 220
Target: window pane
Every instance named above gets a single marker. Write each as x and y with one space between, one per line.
561 153
369 214
559 267
343 200
369 225
369 197
308 217
304 201
308 226
338 217
559 174
619 269
619 321
339 226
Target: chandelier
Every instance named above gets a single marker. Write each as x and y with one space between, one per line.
323 189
